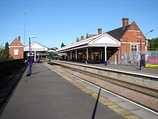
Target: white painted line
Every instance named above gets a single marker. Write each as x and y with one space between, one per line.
115 70
112 93
116 95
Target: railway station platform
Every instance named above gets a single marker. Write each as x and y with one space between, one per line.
47 94
130 68
153 71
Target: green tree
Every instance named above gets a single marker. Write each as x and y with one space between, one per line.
153 44
4 52
62 45
52 55
55 48
7 50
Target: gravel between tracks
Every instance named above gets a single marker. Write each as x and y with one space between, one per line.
140 98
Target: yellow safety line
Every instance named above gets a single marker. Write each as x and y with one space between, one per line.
116 108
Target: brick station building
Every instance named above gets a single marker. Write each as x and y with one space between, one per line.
16 49
106 47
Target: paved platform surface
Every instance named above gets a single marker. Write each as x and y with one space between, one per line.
127 68
46 95
130 68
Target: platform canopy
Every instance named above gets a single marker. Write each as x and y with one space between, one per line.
35 46
101 40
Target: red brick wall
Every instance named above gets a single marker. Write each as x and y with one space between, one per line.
16 44
129 38
133 36
20 52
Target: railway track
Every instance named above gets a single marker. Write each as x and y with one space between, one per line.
141 89
132 86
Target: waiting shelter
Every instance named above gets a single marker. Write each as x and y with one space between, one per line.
38 50
93 49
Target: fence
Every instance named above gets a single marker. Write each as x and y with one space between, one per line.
8 67
147 59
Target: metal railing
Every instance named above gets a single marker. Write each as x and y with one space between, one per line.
149 58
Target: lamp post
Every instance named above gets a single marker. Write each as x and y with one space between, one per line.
30 55
140 65
149 32
24 25
140 62
146 39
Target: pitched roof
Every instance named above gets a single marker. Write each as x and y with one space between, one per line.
90 35
103 39
35 46
16 42
35 42
119 32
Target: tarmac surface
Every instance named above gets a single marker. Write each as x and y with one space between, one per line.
47 95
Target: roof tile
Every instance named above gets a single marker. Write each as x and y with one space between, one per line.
119 32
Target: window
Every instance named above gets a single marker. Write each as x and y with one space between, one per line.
16 51
133 48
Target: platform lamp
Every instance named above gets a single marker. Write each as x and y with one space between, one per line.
30 56
149 32
146 35
140 65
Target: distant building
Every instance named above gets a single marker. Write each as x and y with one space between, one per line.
16 49
108 46
38 50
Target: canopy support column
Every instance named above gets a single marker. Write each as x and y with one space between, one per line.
70 55
101 55
105 56
87 55
76 55
92 54
34 56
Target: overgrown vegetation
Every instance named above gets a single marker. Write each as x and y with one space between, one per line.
90 94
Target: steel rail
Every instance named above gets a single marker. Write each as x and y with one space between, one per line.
139 89
130 85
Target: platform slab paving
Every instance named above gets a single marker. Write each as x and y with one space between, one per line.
46 95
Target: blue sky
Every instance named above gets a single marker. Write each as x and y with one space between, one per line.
57 21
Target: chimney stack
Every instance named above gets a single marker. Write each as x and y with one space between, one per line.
99 31
124 22
19 38
82 37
